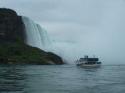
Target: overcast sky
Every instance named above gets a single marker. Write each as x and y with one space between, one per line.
81 26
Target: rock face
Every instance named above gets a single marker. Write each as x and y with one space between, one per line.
13 49
11 26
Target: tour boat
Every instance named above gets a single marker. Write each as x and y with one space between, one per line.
88 62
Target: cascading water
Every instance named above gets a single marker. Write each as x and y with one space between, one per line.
38 37
35 35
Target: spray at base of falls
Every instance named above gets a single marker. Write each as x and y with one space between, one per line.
36 36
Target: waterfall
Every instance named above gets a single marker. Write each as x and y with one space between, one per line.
38 37
35 35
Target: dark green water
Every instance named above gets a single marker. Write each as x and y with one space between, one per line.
61 79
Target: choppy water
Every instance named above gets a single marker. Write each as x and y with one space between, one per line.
61 79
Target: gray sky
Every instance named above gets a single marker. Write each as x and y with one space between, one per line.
80 26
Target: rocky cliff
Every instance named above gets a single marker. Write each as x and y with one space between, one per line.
12 47
11 26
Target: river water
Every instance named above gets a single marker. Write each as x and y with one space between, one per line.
61 79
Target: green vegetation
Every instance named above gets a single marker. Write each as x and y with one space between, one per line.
19 53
